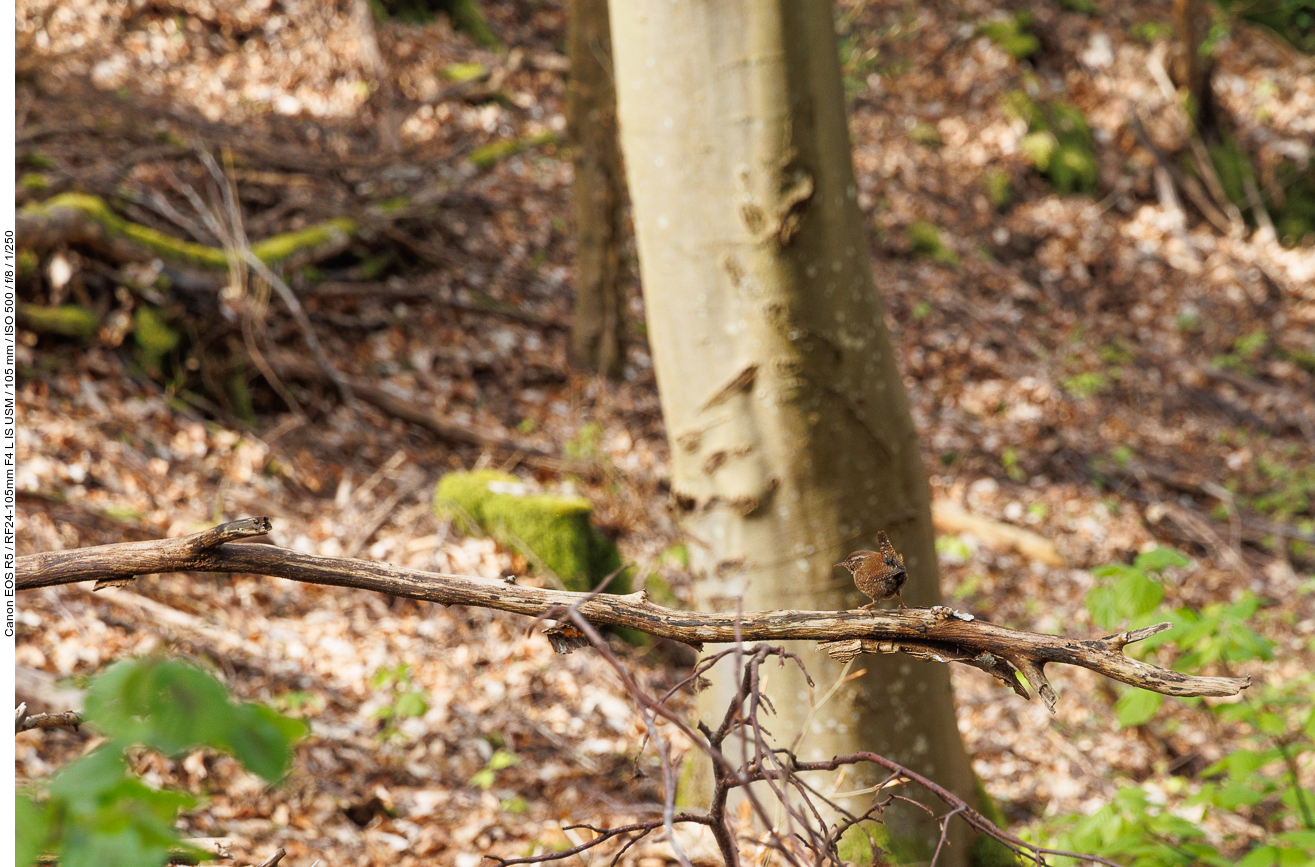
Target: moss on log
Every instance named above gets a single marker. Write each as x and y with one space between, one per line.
78 218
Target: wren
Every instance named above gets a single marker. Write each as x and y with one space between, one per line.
879 574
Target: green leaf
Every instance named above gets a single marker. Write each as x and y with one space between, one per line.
1159 559
1303 837
32 823
1261 856
503 759
1271 724
261 739
88 779
1240 764
103 818
1233 795
175 707
1103 605
162 704
411 704
1136 707
1138 595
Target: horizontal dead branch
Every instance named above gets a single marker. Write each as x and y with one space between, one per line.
938 634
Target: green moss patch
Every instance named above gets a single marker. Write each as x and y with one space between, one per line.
271 251
490 154
550 530
68 320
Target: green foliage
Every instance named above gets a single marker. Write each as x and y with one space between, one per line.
1059 142
68 320
28 264
516 805
93 813
499 761
1086 7
460 72
999 189
467 17
1013 35
1165 826
464 14
1150 31
1289 200
587 444
858 60
1294 20
925 134
154 338
405 699
36 160
873 843
1131 592
1278 483
676 554
1086 384
552 531
173 706
96 815
1009 460
490 154
925 240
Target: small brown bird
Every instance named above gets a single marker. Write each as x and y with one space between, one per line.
880 575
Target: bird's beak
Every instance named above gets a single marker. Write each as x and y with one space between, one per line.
834 565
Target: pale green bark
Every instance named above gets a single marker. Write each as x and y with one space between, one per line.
791 438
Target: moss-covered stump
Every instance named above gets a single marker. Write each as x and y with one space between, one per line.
550 530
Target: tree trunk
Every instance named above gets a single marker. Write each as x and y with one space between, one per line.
790 432
598 327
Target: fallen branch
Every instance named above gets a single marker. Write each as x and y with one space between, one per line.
77 218
938 634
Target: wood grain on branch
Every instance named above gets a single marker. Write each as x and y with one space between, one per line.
937 634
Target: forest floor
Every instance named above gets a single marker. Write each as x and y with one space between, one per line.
1112 372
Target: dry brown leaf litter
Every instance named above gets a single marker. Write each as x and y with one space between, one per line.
988 351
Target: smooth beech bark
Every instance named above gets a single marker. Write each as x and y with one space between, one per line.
791 439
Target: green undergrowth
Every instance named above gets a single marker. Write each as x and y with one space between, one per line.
1013 34
1058 143
1286 192
1294 20
1175 820
97 813
925 240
